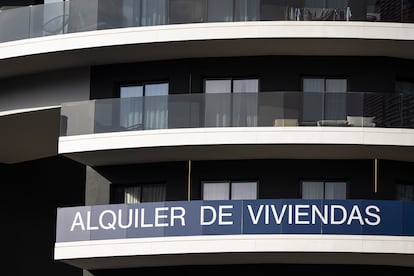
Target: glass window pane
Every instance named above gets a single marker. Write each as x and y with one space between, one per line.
218 107
314 3
154 192
248 85
220 10
156 108
245 106
130 116
312 189
244 190
313 85
404 87
313 99
407 11
153 12
336 3
336 85
247 10
216 190
336 99
218 86
129 12
404 90
103 116
156 89
186 11
274 10
335 190
131 91
132 194
405 191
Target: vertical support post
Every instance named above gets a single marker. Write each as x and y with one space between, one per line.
375 175
189 180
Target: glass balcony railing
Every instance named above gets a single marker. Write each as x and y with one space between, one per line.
263 109
78 15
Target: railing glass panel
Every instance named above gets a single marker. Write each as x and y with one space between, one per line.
79 15
264 109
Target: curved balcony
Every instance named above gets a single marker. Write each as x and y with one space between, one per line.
78 16
284 124
78 33
236 231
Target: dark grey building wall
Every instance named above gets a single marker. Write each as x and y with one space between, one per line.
45 89
281 178
276 73
174 174
278 178
32 192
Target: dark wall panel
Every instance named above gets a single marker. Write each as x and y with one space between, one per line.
276 73
277 178
32 192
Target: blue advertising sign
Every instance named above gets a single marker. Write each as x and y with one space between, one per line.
235 217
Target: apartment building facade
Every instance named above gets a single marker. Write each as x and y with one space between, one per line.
202 136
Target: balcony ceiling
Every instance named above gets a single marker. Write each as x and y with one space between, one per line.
29 135
233 143
242 258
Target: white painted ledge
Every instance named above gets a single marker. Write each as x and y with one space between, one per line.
209 31
234 249
371 136
235 243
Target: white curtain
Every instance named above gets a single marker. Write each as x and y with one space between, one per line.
324 190
244 190
132 194
216 190
154 192
231 102
156 106
245 105
145 193
218 103
312 190
131 107
335 190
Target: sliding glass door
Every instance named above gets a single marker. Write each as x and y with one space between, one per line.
144 106
324 99
231 102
